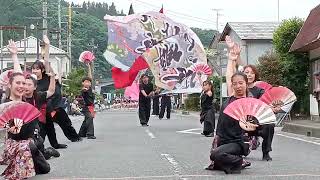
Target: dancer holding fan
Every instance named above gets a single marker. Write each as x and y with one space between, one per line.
51 108
34 98
265 131
87 127
227 156
20 147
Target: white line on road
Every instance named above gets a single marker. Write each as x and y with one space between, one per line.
173 162
150 134
190 131
192 176
299 139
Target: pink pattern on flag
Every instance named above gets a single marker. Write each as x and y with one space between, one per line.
132 91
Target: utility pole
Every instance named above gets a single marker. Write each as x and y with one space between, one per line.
278 10
93 48
10 28
25 49
69 33
217 16
44 28
59 23
44 17
218 53
1 46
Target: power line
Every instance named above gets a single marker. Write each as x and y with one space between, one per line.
5 9
217 16
175 15
199 21
174 12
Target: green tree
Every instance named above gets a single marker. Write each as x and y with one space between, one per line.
74 82
87 25
270 69
295 65
90 29
112 10
205 35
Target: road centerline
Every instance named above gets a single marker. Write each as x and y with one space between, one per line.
150 134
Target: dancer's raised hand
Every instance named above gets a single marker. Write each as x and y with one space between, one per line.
12 47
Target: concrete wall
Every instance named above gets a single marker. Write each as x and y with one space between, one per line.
257 48
65 69
251 50
313 54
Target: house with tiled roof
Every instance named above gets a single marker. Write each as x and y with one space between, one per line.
308 40
59 60
255 38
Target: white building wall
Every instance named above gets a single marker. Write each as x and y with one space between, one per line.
315 67
257 48
7 62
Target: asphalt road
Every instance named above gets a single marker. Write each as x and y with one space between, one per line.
171 149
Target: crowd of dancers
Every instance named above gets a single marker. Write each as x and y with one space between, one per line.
233 139
26 155
24 151
124 103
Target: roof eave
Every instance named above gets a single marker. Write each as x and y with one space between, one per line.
225 32
259 39
308 47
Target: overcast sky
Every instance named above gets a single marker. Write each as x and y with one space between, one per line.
200 13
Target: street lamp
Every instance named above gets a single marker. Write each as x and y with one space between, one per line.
33 27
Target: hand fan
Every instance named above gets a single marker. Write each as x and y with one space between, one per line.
263 85
202 68
242 108
86 57
17 111
282 94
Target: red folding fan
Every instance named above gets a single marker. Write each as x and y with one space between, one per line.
242 108
4 77
17 111
86 57
282 94
263 85
202 68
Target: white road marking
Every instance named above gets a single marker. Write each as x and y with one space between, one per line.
173 162
299 139
191 176
190 131
150 134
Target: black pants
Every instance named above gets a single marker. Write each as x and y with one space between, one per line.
227 156
165 104
63 120
49 130
208 128
41 165
319 107
144 111
87 128
266 132
155 106
208 119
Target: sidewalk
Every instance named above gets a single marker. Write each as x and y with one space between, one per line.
303 127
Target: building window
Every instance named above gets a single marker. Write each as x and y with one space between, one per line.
9 65
315 68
